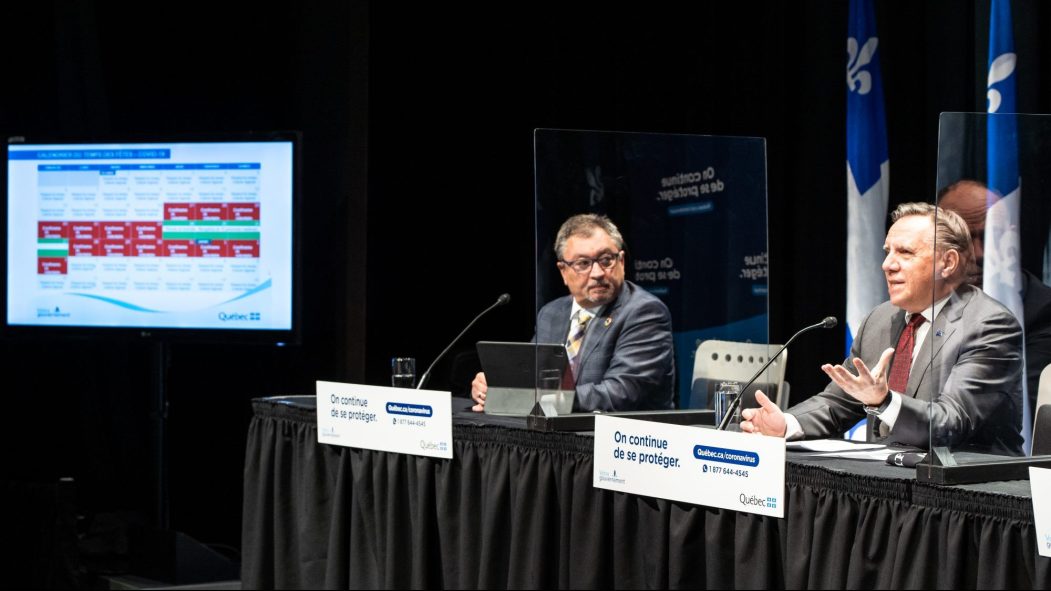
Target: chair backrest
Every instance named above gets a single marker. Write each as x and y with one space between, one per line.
1043 392
717 361
1042 430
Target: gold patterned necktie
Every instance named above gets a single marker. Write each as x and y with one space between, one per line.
578 328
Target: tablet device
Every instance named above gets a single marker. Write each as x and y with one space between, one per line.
521 375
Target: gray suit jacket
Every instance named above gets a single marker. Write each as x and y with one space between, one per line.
627 361
974 381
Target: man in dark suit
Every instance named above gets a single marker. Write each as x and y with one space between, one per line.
969 198
970 394
618 336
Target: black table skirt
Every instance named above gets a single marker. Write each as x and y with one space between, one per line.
516 509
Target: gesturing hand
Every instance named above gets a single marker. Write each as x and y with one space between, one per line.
868 387
766 420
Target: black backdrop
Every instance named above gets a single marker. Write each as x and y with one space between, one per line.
418 183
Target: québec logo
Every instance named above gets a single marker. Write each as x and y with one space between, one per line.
752 500
49 313
240 316
434 445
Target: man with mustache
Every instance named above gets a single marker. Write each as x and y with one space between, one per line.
972 393
617 335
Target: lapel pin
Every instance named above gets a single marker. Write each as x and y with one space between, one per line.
939 333
609 320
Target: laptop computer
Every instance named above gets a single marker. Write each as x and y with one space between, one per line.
519 375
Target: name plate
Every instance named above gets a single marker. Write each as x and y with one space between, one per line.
737 471
399 420
1040 481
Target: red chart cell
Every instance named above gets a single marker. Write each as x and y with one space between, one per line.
212 249
243 249
52 230
179 248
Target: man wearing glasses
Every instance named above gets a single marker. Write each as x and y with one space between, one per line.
617 335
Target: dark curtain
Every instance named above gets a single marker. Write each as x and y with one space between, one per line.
516 509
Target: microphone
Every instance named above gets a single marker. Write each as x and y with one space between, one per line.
826 322
500 301
907 459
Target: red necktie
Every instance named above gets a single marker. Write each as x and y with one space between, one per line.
899 368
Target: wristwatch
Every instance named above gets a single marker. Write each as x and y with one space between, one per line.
878 410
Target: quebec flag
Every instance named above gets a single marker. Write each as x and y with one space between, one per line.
868 168
1002 268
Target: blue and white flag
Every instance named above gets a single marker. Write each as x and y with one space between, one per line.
1002 268
868 174
868 168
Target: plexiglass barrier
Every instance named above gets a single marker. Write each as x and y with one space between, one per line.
649 247
993 332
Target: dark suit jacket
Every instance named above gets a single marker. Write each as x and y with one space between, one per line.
627 361
975 380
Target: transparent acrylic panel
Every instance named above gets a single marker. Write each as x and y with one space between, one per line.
684 263
993 171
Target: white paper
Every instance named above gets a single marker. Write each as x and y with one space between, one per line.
865 454
831 445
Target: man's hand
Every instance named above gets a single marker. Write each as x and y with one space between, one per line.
766 420
868 387
478 390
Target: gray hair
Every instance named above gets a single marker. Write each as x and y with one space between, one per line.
584 225
950 230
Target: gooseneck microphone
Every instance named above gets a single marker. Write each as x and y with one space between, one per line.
500 301
827 322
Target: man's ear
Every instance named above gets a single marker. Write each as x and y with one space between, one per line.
562 270
951 262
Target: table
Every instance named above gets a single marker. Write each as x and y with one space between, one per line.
516 509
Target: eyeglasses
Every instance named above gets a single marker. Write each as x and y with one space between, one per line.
584 264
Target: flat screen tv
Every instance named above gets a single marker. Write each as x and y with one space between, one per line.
178 238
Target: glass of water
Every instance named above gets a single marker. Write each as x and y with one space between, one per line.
725 395
403 372
553 401
549 380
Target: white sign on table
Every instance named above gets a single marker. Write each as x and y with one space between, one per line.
399 420
722 469
1040 482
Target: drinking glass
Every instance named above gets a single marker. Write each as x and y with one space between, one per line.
403 372
725 395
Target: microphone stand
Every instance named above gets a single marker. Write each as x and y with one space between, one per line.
503 299
828 322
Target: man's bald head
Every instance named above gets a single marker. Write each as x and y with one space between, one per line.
970 199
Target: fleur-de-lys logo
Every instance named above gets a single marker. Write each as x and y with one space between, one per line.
1001 252
859 80
1002 67
597 189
